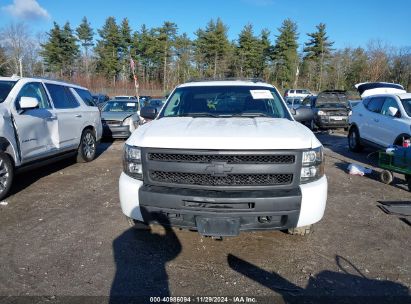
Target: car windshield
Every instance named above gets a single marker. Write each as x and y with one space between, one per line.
155 102
225 101
5 88
120 106
125 97
407 106
332 100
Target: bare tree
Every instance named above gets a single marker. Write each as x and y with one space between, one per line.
17 42
378 63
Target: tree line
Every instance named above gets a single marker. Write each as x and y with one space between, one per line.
163 57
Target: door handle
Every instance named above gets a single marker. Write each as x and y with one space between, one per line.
51 118
77 115
376 120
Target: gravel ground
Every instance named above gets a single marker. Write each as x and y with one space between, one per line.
62 233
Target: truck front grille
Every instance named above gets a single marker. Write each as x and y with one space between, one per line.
221 169
114 123
230 159
229 180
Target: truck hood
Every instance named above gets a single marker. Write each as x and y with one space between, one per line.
238 133
373 88
115 115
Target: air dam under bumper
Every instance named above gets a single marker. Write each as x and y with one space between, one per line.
230 211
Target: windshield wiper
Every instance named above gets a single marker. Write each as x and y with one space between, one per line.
200 114
251 114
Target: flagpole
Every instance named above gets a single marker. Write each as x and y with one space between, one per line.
136 85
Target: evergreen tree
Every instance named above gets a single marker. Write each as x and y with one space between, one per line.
212 49
166 38
318 50
249 53
70 49
143 53
265 53
285 53
124 48
184 55
61 50
107 49
85 35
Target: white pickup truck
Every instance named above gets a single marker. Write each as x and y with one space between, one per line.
42 121
223 157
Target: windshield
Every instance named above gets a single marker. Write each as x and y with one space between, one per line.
225 101
125 97
332 100
5 88
407 106
117 106
155 102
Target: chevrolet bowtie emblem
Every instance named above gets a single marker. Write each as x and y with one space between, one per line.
218 169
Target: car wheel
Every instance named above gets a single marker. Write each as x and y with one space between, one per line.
386 177
6 174
305 230
408 179
354 140
87 148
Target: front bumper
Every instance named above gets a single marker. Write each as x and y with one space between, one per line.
329 122
116 131
183 207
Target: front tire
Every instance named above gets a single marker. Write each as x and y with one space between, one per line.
354 143
304 230
137 225
386 177
87 148
6 174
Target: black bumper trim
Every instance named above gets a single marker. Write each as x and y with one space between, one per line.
180 207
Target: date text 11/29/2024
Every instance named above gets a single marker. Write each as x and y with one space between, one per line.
206 299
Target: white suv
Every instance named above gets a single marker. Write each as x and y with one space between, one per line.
383 118
223 157
301 93
42 120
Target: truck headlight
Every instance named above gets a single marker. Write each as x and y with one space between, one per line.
321 113
132 162
312 165
132 122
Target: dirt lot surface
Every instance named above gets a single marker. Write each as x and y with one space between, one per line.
62 233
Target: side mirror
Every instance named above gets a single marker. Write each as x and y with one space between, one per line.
303 114
27 103
148 112
392 111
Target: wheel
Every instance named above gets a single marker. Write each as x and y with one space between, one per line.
304 230
408 179
386 177
354 140
87 148
6 174
137 225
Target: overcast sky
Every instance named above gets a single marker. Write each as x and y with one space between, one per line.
349 22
